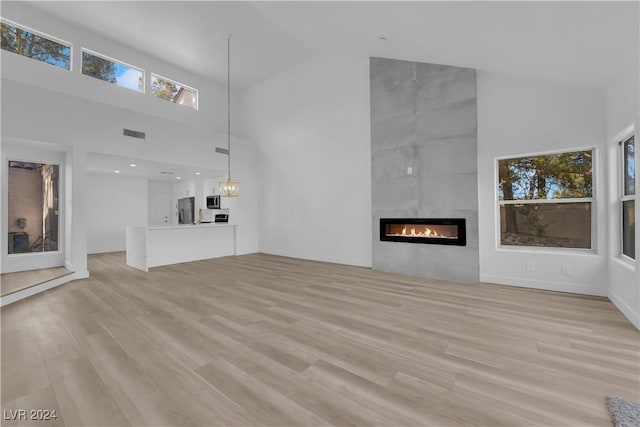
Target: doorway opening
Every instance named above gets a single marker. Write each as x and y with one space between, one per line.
33 207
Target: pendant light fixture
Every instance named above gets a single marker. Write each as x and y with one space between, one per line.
229 187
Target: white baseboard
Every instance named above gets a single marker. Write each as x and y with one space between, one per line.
317 258
573 288
80 274
246 252
629 313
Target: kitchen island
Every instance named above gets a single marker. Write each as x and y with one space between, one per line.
172 244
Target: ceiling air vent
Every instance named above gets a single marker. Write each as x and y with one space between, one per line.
222 150
133 133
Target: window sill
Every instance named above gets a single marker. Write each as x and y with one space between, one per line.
27 254
547 251
625 261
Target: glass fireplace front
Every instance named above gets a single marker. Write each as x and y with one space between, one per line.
438 231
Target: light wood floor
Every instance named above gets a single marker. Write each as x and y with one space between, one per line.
266 340
13 282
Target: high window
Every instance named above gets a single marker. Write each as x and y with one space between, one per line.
104 68
628 199
175 92
35 45
546 200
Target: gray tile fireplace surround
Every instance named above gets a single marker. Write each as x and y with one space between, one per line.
423 117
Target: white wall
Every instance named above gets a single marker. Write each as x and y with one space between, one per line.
244 210
160 200
211 115
622 113
75 211
96 127
516 117
113 203
311 126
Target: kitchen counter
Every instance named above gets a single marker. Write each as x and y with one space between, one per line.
155 246
183 226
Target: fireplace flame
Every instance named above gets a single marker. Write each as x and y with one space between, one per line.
427 232
414 232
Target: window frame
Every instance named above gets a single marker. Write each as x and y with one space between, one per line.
197 106
44 35
592 200
117 61
61 206
622 196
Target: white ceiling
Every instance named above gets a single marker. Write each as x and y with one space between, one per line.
105 164
581 43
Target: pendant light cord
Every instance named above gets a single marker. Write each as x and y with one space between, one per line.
229 105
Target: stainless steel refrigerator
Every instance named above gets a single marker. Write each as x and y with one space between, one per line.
186 208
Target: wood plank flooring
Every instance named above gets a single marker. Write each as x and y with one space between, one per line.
266 340
13 282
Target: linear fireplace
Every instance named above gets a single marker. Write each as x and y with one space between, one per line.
434 231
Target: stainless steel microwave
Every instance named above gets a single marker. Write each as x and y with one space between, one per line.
213 202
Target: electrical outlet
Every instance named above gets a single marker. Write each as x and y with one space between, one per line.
566 270
409 170
528 267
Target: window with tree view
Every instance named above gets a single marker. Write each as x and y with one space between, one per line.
629 198
175 92
546 200
111 71
33 45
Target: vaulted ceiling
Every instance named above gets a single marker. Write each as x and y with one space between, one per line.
580 43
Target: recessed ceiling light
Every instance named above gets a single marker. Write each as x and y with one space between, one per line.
197 173
117 171
178 177
133 165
